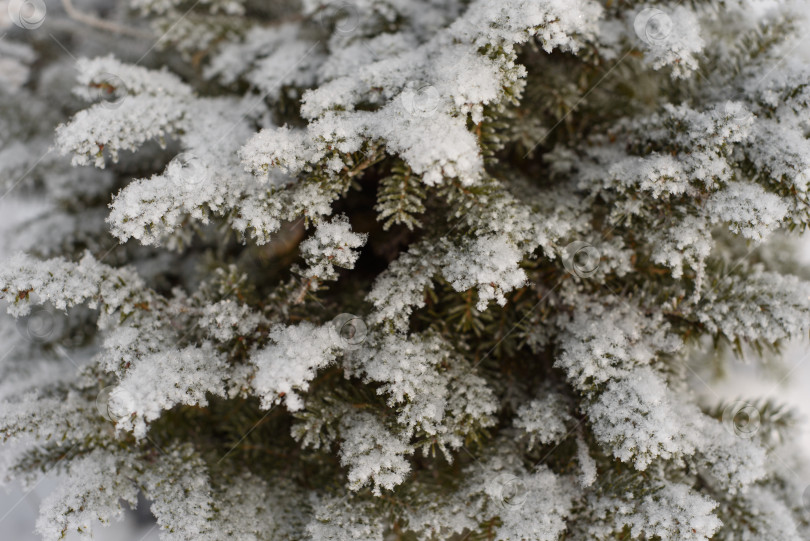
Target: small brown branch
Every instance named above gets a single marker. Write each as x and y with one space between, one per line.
101 24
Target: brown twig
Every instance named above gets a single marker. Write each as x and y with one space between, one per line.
101 24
